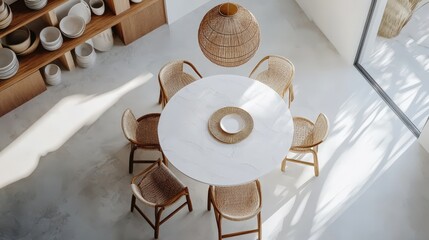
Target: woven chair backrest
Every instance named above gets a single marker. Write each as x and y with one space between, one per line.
169 73
129 125
321 128
282 67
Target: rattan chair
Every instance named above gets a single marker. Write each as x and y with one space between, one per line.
278 75
306 139
236 203
158 187
142 133
172 78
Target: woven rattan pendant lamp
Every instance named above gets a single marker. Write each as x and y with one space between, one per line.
229 35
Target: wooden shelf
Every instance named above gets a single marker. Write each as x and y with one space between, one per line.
22 15
39 58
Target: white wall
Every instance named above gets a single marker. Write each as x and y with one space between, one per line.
175 9
342 22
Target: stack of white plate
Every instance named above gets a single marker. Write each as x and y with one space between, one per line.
51 38
5 15
85 55
35 4
72 26
81 9
9 64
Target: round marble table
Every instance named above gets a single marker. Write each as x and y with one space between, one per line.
190 147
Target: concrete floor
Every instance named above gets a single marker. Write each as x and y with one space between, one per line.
63 164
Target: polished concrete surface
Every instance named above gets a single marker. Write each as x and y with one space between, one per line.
63 164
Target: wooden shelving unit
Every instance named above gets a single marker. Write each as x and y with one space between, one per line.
33 62
21 15
41 57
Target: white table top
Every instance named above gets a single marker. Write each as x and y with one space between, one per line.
189 146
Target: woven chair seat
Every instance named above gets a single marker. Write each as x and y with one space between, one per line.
238 202
160 185
303 133
142 133
147 133
181 79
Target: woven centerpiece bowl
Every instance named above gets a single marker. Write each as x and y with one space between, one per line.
229 35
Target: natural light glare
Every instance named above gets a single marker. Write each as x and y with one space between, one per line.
346 180
51 131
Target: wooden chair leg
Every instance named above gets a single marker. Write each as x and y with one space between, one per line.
164 159
131 160
188 200
163 101
316 163
283 167
259 226
219 225
133 202
209 200
157 221
160 96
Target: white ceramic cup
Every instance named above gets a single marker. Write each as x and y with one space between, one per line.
103 41
52 74
97 6
85 55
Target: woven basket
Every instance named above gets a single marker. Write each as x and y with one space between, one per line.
229 35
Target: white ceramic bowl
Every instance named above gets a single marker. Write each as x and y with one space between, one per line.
4 12
18 40
7 59
72 26
81 9
53 47
50 36
2 6
11 72
4 23
35 40
36 5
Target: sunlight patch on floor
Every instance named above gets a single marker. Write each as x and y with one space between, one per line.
344 181
20 158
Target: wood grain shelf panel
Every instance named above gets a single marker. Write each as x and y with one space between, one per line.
21 92
41 57
21 15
